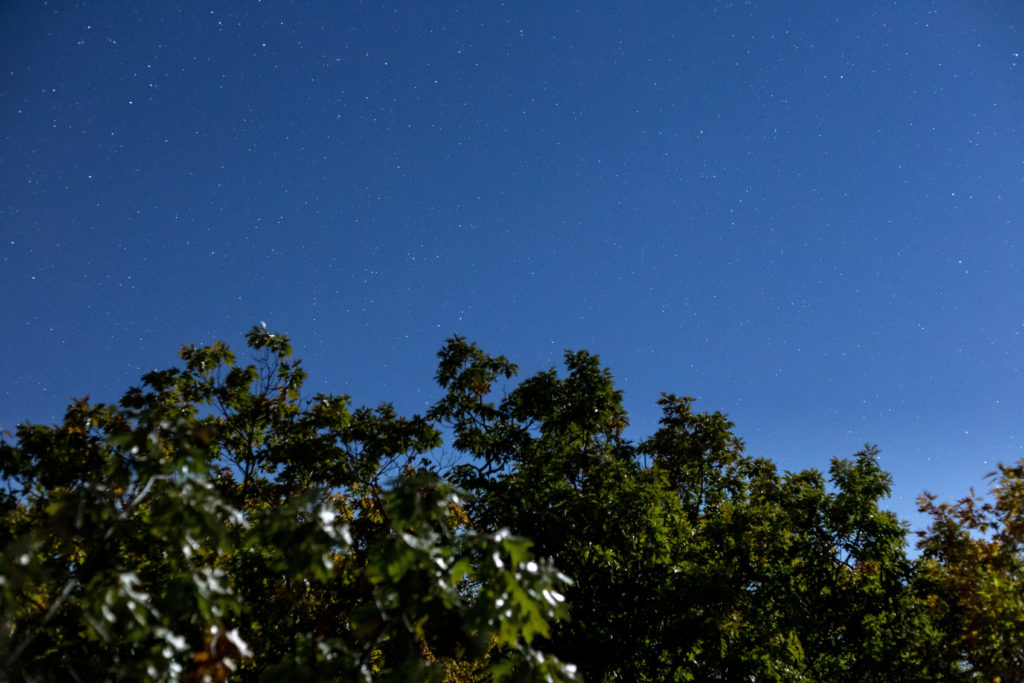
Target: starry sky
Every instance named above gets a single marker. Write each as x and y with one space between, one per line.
805 215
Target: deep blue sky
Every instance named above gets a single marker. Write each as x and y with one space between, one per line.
807 215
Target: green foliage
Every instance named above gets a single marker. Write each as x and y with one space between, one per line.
213 526
217 526
691 560
971 580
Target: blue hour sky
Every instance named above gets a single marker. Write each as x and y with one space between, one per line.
806 215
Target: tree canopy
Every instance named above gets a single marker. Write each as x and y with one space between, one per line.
219 525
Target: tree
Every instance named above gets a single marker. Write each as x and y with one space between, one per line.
214 526
549 461
813 576
971 577
691 561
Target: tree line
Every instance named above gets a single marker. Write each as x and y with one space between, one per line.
216 525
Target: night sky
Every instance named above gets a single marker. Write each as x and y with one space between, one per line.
806 215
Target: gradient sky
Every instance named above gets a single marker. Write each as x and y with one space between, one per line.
807 215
